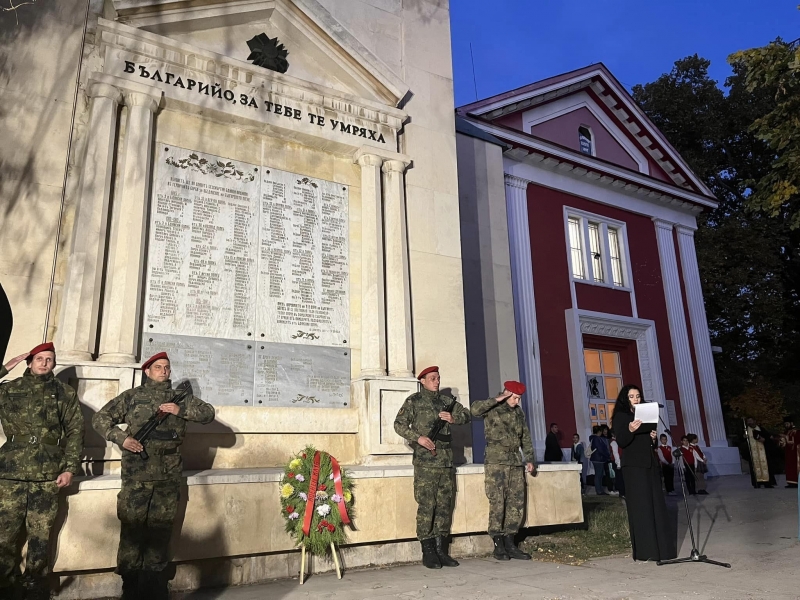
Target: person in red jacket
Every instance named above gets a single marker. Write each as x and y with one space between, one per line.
701 464
667 462
688 465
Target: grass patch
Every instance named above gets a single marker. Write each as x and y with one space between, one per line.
604 532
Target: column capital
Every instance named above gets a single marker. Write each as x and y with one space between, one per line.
394 166
148 100
684 230
662 224
98 89
369 160
380 153
517 182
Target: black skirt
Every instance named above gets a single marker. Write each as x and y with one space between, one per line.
651 536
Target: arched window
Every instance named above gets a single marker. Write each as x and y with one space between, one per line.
585 140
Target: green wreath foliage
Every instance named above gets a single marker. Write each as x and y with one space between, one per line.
326 523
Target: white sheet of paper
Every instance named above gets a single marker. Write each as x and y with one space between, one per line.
646 412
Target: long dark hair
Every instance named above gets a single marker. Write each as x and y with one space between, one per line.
623 404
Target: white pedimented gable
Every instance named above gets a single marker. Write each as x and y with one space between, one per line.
575 102
321 50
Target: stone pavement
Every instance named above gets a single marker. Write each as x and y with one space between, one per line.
754 530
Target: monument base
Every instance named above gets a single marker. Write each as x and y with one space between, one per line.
230 530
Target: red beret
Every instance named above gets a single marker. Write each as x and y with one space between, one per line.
426 371
48 347
515 387
153 359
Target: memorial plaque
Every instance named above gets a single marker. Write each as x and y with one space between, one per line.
203 236
221 371
248 281
301 375
303 280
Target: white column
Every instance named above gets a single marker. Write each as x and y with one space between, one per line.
398 288
677 329
122 298
373 309
76 337
702 338
524 304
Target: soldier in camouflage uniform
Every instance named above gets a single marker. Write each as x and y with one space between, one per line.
434 474
148 500
506 432
43 425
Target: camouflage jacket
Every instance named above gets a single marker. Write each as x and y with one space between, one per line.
415 418
43 424
506 432
134 408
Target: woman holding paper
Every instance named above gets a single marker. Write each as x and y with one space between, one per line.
651 538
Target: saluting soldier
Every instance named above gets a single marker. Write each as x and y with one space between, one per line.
434 474
148 500
43 424
506 433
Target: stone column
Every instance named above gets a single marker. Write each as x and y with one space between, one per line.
398 287
677 329
373 307
76 337
524 304
119 333
702 339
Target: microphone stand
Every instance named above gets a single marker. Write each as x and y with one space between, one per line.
695 555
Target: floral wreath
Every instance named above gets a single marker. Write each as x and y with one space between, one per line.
316 500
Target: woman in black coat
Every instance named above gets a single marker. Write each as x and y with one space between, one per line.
651 538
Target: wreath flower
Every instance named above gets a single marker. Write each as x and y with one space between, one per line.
328 503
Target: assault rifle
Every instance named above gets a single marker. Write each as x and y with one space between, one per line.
184 390
439 424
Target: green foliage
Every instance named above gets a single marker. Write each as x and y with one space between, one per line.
775 69
325 528
747 256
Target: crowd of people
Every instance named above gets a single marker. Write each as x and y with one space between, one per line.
605 456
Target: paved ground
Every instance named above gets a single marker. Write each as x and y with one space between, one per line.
754 530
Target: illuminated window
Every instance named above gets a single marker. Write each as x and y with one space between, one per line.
603 383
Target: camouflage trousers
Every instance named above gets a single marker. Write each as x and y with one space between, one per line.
435 492
505 489
146 511
26 507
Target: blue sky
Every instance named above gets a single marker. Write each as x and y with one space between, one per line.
516 42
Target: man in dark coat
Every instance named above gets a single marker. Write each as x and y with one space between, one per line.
552 449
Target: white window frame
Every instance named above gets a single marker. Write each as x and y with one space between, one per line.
622 236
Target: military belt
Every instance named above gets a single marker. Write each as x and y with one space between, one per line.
166 452
444 437
164 436
47 440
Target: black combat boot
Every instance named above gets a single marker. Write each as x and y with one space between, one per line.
429 558
513 551
499 548
130 585
441 552
37 589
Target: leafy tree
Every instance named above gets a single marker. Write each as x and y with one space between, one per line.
747 256
775 69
